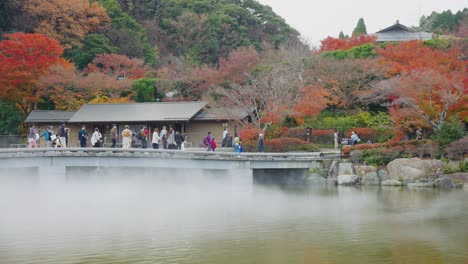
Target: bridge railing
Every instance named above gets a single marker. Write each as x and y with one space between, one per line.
137 152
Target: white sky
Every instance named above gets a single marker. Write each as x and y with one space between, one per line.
316 20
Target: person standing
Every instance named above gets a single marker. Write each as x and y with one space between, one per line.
126 137
163 136
171 140
261 143
179 140
224 142
83 136
335 138
46 134
354 138
32 143
144 137
61 132
96 138
114 135
156 138
236 143
213 144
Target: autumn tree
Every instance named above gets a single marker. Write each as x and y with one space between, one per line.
345 80
24 58
68 21
117 66
331 44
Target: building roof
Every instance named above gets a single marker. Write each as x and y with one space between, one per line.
135 112
399 32
49 116
220 114
395 27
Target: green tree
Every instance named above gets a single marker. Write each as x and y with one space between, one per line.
341 36
10 118
94 44
145 90
449 132
360 28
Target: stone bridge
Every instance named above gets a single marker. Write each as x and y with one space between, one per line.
62 160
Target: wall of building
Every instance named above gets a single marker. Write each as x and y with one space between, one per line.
197 130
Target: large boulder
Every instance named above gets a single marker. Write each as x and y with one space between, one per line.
383 175
410 170
361 171
348 180
446 183
346 168
459 178
370 178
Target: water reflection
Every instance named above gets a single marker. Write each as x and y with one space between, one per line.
167 216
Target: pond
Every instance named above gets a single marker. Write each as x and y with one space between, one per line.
198 217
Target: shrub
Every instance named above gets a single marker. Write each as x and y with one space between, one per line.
287 144
457 150
449 132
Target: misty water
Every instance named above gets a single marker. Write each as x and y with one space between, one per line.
186 216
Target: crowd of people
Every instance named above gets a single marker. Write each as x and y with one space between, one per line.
52 139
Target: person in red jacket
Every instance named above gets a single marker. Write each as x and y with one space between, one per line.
213 144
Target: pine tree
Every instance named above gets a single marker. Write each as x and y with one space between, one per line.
341 36
360 28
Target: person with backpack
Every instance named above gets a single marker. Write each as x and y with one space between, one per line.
46 134
207 142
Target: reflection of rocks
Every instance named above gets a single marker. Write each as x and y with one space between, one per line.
348 180
391 183
446 183
370 178
410 170
459 178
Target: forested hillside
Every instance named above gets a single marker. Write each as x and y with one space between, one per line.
201 31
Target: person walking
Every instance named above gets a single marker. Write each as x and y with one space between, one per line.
335 138
224 141
155 139
144 137
114 135
207 142
96 138
126 137
46 134
83 136
261 143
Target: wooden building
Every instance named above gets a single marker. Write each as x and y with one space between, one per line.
400 33
193 119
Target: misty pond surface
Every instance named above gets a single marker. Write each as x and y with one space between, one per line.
218 217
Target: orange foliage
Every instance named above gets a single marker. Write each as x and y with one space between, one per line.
23 59
330 44
313 101
117 66
68 21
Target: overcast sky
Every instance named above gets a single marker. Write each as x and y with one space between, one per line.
316 20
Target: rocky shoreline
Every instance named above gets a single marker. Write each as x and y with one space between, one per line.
412 173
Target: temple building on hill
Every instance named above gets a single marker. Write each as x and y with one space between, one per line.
400 33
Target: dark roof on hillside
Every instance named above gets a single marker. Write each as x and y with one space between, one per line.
134 112
396 27
49 116
220 114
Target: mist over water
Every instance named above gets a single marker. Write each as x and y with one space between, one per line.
90 215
